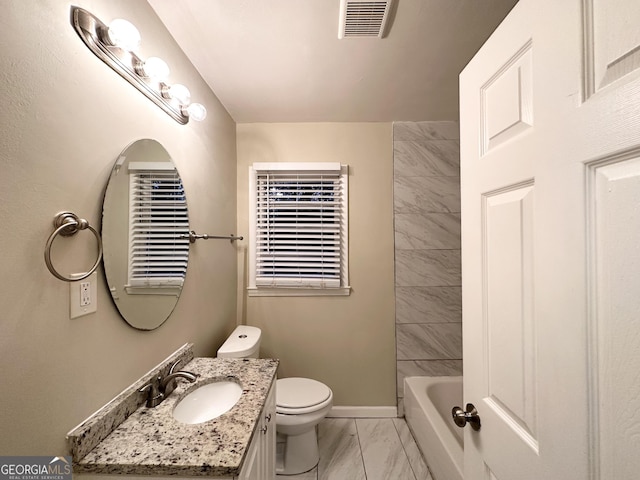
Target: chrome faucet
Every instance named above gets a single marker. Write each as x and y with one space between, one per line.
164 383
158 386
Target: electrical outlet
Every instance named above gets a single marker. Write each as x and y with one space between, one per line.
83 297
85 294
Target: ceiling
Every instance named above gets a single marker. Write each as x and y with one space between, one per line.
282 61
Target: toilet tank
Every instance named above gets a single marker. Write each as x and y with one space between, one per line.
244 342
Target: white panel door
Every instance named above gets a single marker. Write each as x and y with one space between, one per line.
550 176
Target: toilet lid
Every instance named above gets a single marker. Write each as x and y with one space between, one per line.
300 392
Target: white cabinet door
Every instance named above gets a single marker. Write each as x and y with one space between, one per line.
269 435
550 174
260 463
251 466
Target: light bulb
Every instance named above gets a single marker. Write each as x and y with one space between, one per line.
154 67
197 112
123 34
180 93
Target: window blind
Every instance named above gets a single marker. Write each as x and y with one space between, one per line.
300 227
158 218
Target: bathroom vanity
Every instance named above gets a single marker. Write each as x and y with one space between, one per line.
128 438
260 461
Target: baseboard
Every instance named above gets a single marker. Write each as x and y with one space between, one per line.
363 412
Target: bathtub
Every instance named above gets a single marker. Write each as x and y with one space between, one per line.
427 404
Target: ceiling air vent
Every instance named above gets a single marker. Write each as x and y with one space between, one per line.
364 18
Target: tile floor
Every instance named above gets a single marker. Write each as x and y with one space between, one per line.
366 449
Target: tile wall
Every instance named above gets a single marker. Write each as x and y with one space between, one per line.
427 249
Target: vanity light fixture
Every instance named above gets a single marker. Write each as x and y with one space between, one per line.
197 112
123 34
177 91
115 45
153 67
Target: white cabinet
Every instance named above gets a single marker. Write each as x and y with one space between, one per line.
260 463
251 467
268 432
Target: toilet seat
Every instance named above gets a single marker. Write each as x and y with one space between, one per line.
297 396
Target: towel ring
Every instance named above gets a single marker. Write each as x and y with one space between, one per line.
68 224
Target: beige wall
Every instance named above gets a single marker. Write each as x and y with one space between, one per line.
346 342
64 119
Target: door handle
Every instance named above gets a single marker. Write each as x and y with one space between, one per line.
461 418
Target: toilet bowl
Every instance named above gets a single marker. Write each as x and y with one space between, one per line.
301 403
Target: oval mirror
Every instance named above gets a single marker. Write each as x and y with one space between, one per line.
145 224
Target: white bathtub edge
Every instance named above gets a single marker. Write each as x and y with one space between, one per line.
441 450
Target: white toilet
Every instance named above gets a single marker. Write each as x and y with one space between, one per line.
301 403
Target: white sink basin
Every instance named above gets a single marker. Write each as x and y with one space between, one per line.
207 402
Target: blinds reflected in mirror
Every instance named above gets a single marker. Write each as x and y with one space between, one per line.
158 218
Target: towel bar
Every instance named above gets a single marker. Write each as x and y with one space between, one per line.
193 236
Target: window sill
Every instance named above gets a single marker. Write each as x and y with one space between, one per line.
298 292
153 290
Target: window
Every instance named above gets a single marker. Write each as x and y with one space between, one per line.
158 223
298 229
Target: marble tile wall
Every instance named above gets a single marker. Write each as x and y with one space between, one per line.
426 162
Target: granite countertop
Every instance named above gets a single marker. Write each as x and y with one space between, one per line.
151 442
